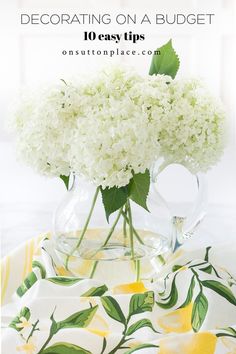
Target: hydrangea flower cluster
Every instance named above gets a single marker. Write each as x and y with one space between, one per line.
193 130
45 123
115 132
117 124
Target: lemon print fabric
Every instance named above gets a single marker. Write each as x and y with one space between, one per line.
188 308
130 288
199 343
178 321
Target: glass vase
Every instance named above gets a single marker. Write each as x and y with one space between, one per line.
130 247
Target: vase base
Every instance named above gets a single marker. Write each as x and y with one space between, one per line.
114 262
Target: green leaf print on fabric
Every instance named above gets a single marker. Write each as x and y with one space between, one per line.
220 289
78 319
65 348
140 347
189 294
66 281
199 311
172 297
228 332
140 303
113 309
140 324
96 291
27 283
37 264
17 322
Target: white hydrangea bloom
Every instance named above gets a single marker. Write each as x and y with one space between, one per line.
117 123
45 122
116 133
192 130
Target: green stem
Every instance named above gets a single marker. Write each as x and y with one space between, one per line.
33 330
134 230
106 241
46 343
85 227
131 235
137 270
225 335
198 279
160 257
123 339
124 225
94 269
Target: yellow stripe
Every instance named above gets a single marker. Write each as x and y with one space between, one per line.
25 261
6 278
31 252
3 268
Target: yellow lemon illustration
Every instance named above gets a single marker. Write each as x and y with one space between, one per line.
83 269
99 326
27 348
130 288
177 321
98 332
62 271
199 343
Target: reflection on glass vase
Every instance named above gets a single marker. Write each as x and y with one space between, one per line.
190 208
130 247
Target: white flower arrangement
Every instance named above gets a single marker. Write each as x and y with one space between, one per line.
116 134
118 124
193 130
112 128
45 123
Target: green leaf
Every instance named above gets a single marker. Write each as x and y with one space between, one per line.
113 309
37 264
166 63
65 348
25 312
27 283
207 269
140 324
139 187
142 346
96 291
220 289
172 297
54 328
176 267
189 294
66 281
199 311
66 180
79 319
104 344
113 199
231 332
140 303
206 258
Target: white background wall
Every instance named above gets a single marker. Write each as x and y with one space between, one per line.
32 55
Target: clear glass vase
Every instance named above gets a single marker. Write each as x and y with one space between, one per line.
131 247
187 200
